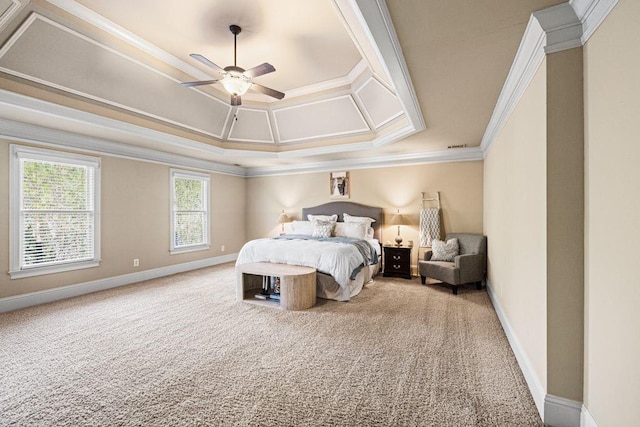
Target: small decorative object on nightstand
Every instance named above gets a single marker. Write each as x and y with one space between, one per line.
398 219
397 261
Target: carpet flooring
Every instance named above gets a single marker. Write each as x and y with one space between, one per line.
180 351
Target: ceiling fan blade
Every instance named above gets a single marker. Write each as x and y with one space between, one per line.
206 62
236 100
259 70
203 82
266 90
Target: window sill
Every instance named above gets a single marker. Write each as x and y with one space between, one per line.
194 248
52 269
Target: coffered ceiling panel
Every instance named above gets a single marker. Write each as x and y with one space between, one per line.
337 116
251 125
49 53
380 104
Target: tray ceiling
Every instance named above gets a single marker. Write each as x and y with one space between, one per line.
110 71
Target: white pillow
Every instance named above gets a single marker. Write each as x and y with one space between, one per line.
288 227
333 217
302 227
370 233
355 230
442 251
362 219
323 228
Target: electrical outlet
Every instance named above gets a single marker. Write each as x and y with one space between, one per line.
136 262
222 248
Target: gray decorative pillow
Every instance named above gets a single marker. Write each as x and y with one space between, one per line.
444 251
323 228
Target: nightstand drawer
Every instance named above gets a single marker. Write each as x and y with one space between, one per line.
397 261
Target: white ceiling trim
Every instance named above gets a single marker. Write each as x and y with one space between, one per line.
99 21
562 27
23 132
561 24
528 58
347 148
38 107
9 12
378 26
275 112
35 16
454 155
28 133
591 13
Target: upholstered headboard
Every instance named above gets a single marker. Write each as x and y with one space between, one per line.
354 209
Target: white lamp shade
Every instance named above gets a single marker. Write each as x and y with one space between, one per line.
236 83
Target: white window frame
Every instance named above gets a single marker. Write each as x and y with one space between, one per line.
18 152
206 179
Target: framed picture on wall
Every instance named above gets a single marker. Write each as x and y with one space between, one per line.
339 185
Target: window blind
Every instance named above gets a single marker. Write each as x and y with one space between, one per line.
57 212
190 214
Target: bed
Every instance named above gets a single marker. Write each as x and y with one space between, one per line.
341 262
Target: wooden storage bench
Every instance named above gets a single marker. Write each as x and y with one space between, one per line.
297 284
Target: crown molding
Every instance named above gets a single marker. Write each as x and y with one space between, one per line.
591 13
528 58
379 29
29 133
37 107
562 27
9 12
23 132
565 26
455 155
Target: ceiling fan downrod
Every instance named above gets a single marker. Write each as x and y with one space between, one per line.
235 30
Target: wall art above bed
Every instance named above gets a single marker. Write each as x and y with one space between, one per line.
339 185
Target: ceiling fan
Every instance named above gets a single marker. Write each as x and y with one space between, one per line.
236 80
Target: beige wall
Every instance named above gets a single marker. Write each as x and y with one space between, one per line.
459 183
515 223
134 223
612 130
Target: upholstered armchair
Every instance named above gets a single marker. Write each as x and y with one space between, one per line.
469 266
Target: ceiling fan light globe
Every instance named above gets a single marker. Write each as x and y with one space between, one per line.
236 83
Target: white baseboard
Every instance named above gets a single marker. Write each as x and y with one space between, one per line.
50 295
586 419
561 412
535 386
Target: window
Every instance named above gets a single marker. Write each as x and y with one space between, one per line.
54 211
189 211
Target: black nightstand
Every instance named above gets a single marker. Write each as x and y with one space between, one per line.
397 261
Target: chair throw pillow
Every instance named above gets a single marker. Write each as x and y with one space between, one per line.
444 251
323 228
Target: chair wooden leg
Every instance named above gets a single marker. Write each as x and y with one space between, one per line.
423 279
455 289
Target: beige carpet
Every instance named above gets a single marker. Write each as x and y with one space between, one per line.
181 351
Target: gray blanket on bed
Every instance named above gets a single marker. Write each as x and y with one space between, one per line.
368 253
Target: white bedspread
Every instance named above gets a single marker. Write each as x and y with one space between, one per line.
337 259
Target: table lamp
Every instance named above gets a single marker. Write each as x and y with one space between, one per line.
398 219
